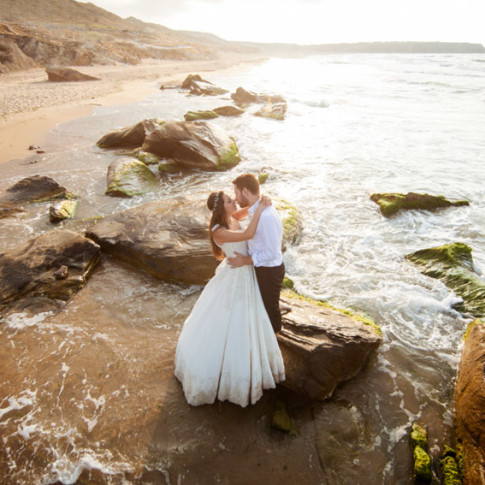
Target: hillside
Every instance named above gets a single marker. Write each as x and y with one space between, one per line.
65 32
39 33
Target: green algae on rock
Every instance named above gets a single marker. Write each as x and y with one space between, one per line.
200 115
281 419
453 264
422 460
147 158
168 167
289 292
229 157
66 209
262 177
291 218
128 177
450 469
391 203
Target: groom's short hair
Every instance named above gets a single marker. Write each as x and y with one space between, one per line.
248 181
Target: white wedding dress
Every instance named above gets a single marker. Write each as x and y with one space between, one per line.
227 349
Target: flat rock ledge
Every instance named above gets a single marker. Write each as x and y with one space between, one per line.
323 347
54 265
470 404
167 239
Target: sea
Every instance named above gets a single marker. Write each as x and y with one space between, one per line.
87 394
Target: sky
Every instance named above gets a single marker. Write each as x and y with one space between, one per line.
314 21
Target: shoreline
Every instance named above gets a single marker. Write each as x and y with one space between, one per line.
31 106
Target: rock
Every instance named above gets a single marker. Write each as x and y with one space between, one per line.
12 58
421 459
228 111
200 115
168 167
453 264
274 111
37 188
291 218
450 470
391 203
63 74
281 419
200 87
128 177
130 136
242 97
322 347
148 158
167 239
194 144
65 209
62 273
28 271
8 209
262 177
470 404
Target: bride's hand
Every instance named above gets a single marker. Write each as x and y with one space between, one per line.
265 201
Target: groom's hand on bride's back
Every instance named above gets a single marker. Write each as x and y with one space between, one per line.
239 260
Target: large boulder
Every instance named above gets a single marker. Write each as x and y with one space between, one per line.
322 346
200 87
470 404
194 144
12 58
66 74
32 270
391 203
128 177
453 264
37 188
167 239
129 137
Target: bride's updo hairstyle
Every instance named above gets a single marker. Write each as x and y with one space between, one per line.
215 203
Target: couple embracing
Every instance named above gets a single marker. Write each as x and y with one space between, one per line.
227 349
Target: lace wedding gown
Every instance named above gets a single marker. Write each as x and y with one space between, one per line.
227 349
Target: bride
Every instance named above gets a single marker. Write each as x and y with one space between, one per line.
227 348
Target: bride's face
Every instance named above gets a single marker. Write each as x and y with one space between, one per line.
229 204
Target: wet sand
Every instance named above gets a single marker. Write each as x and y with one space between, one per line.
30 106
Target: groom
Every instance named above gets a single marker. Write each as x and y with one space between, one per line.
264 248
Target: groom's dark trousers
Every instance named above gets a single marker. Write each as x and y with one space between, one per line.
270 280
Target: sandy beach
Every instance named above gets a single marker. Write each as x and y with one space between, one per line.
30 105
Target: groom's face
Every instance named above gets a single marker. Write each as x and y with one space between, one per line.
240 197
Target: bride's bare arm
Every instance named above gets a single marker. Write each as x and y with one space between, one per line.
241 214
222 235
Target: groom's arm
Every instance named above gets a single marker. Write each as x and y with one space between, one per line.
239 260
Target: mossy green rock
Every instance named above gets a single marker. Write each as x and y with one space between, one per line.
274 111
419 436
230 157
148 158
200 115
168 167
281 420
422 465
391 203
292 220
449 468
262 177
453 264
128 177
66 209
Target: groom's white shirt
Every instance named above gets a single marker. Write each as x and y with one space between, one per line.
265 247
